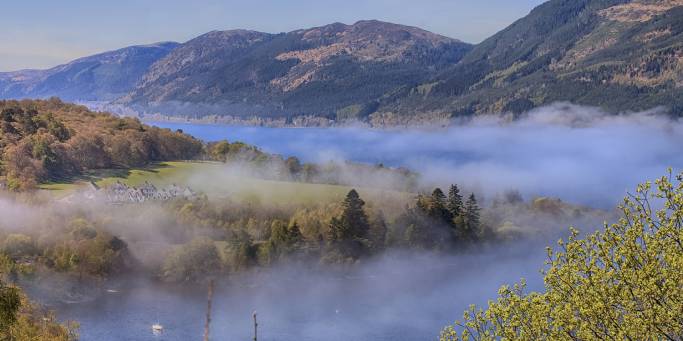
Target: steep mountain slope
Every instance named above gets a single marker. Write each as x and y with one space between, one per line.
100 77
621 55
337 71
617 54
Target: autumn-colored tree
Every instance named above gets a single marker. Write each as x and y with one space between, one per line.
624 282
284 239
44 140
22 320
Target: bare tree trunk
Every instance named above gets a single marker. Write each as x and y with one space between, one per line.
255 328
208 312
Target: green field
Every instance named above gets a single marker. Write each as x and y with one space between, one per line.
163 173
216 181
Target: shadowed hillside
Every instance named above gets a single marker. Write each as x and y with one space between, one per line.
615 54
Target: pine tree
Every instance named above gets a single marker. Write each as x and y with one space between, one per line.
349 230
472 219
354 216
454 203
437 206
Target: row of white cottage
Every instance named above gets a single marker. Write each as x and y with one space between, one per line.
120 193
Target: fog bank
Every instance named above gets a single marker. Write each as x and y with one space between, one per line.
396 297
576 153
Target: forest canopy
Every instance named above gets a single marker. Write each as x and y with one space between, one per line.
43 140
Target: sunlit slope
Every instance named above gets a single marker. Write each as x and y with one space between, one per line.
217 181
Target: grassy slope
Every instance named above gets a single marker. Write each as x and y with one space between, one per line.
211 178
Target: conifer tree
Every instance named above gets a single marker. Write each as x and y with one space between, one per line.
349 230
378 232
454 203
437 206
353 216
472 219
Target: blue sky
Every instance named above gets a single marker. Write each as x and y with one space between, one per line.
44 33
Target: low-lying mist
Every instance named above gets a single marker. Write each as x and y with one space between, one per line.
396 297
399 295
579 154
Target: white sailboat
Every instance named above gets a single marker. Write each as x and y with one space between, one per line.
157 328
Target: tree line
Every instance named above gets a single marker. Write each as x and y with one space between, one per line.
48 140
333 234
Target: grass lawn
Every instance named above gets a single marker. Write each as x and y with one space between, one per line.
213 179
163 173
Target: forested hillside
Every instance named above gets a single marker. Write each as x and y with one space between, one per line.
616 54
337 71
44 140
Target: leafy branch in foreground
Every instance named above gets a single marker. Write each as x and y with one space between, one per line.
20 319
624 282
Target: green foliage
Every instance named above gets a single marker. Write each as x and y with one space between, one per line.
10 302
85 249
192 262
440 222
472 218
454 205
624 282
273 166
237 151
348 232
22 320
377 235
285 239
437 207
18 245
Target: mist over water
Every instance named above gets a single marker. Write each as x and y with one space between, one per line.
396 297
579 154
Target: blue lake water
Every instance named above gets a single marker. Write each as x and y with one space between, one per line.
397 299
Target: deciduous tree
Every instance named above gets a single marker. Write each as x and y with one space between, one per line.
624 282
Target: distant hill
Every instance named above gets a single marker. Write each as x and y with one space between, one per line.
620 55
102 77
615 54
336 71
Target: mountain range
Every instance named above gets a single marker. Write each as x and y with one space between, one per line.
101 77
620 55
